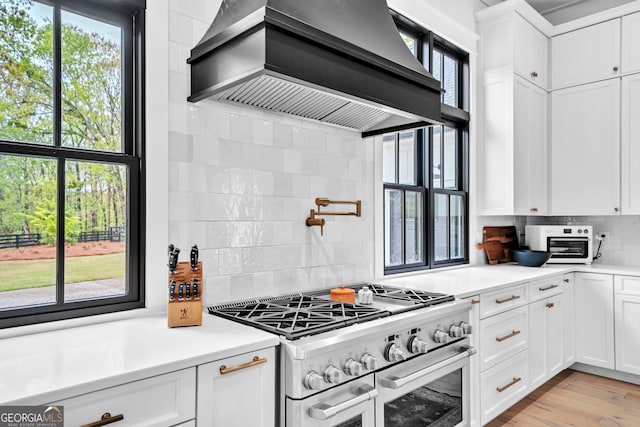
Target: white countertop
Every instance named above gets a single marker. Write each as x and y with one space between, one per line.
50 366
472 280
46 367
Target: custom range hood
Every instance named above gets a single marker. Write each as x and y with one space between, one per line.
340 62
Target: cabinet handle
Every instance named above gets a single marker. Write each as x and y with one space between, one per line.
105 419
616 209
514 381
511 298
475 301
565 280
256 361
548 288
534 209
506 337
534 74
550 305
615 69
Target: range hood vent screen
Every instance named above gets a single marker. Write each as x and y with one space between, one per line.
283 96
341 62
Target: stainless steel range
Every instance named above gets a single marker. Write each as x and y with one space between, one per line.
399 358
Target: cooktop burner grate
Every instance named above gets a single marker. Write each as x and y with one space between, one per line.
296 315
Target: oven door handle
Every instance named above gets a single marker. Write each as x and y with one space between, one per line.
322 411
397 382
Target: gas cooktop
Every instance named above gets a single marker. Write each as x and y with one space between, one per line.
297 315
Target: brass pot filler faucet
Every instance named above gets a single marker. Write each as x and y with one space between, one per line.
324 202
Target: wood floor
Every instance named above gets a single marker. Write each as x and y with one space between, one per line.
577 399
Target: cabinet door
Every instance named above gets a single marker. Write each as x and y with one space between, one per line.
627 337
630 36
546 339
474 382
530 149
568 318
594 319
531 56
630 145
586 55
238 391
585 149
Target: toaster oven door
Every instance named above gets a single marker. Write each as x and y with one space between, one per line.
567 249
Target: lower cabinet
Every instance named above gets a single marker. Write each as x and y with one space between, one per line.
627 318
546 339
238 391
164 400
503 385
475 362
594 319
568 319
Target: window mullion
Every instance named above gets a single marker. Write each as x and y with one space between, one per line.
57 138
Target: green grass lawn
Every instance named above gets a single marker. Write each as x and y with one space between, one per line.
35 273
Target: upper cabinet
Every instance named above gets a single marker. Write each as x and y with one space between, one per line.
630 145
586 55
509 42
630 36
531 53
585 149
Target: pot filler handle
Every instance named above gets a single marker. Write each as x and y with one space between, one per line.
322 411
397 382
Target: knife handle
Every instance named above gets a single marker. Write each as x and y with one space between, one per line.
173 259
181 291
172 291
194 257
188 289
196 292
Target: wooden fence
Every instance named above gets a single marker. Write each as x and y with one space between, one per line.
19 240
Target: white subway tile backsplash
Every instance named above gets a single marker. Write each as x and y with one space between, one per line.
218 234
241 129
241 181
217 179
242 234
263 132
292 161
217 288
300 186
282 135
230 260
230 153
309 140
242 286
263 183
180 28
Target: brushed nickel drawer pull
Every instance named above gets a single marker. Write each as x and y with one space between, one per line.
256 361
548 288
550 305
514 381
506 337
105 419
511 298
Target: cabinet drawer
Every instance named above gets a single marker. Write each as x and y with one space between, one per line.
503 385
628 285
164 400
544 288
498 301
503 336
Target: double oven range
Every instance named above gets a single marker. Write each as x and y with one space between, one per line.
400 360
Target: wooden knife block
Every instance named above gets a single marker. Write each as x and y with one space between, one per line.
187 312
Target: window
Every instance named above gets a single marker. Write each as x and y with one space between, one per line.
425 170
70 159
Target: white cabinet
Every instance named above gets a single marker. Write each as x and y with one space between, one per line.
630 143
238 391
546 339
164 400
627 319
568 319
630 37
503 336
594 319
531 53
586 55
503 385
585 149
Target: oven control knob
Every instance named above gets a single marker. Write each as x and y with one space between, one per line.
456 331
313 381
393 353
353 368
369 362
466 328
332 375
416 345
440 336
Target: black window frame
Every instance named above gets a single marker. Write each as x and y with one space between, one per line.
458 118
130 16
